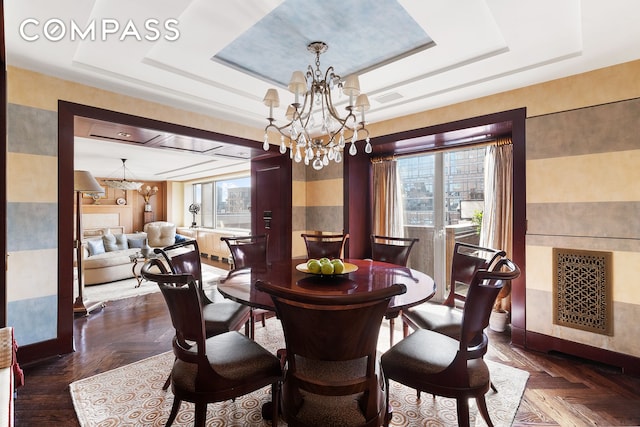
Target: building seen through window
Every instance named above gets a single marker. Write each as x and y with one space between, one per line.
463 186
225 203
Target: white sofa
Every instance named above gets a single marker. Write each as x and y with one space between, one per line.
107 255
104 263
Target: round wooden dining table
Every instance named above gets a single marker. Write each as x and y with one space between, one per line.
368 276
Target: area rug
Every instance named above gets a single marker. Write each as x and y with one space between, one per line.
132 395
126 288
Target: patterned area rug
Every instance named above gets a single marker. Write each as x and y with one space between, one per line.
132 396
127 288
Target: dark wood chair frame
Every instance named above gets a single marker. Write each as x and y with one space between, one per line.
466 376
250 252
184 258
325 245
467 260
329 329
211 383
395 250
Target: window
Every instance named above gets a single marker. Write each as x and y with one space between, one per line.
463 181
225 204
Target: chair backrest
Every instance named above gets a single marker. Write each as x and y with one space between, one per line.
484 289
324 245
182 297
248 251
183 258
323 330
183 301
467 260
395 250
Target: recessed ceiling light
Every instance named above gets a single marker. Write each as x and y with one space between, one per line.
124 134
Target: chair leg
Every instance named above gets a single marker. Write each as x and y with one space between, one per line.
174 411
392 322
482 407
252 327
462 405
201 415
493 387
165 387
389 412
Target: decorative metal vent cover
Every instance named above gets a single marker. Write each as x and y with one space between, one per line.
582 290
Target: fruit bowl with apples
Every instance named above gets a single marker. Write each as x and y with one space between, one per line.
326 267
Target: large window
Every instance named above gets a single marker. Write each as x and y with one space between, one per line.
225 203
443 195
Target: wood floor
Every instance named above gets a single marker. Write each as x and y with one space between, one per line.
561 391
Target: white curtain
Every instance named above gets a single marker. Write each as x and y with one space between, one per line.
388 212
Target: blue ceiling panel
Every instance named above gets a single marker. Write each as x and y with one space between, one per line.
361 35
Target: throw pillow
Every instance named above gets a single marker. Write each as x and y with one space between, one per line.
135 243
180 238
121 241
96 247
114 242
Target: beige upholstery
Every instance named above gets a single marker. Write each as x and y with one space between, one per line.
160 233
7 379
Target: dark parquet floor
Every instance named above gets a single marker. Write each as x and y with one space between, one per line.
561 391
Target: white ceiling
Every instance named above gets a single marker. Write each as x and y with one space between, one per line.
481 47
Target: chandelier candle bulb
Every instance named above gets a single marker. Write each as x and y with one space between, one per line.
316 116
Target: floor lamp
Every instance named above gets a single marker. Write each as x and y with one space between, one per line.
83 182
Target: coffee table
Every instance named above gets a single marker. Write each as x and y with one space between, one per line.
139 258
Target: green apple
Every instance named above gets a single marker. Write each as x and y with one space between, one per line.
338 266
324 260
326 268
314 266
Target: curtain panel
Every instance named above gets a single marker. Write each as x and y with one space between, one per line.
388 212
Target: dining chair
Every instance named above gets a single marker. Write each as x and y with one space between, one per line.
331 356
219 317
446 317
395 250
324 245
214 369
250 252
436 363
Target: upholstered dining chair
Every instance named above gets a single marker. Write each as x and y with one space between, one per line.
331 357
219 317
395 250
207 370
433 362
446 317
250 252
222 316
324 245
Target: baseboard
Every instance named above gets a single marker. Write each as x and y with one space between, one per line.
544 343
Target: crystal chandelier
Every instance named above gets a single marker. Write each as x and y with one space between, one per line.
317 116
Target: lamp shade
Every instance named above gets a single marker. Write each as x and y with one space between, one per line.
271 98
84 182
362 102
298 84
351 86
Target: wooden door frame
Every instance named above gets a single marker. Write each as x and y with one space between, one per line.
67 111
